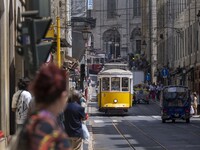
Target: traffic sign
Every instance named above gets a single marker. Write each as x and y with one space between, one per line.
148 77
165 73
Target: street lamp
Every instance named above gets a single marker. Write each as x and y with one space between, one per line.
86 34
144 44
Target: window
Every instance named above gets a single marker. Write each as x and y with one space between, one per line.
105 84
176 99
125 86
138 46
101 60
136 8
89 60
115 84
111 9
96 61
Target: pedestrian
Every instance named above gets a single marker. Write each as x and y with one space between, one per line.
41 131
21 102
195 103
83 101
74 115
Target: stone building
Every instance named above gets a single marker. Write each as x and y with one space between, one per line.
118 27
178 42
11 63
149 36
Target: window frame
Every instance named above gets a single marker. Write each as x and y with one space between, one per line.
125 87
102 84
136 8
112 86
111 9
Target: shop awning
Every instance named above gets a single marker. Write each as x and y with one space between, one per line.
189 70
64 43
70 63
180 71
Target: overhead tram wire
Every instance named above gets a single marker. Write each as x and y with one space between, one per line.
159 28
98 10
154 18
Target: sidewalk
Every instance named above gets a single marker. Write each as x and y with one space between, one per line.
87 145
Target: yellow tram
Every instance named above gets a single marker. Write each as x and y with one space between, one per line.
115 90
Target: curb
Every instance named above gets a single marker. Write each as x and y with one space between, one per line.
88 145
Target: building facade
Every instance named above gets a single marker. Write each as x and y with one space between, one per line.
178 43
149 36
10 62
118 27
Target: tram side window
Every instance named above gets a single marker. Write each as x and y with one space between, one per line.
125 84
115 84
105 84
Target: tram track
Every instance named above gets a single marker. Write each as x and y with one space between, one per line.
138 129
124 137
148 136
122 126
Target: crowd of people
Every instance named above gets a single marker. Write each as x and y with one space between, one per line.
47 116
153 90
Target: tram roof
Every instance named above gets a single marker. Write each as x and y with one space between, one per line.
115 72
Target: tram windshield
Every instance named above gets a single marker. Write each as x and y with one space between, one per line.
105 84
115 84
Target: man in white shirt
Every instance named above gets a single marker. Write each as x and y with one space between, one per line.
21 103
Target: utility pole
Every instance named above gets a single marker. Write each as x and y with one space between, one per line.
58 42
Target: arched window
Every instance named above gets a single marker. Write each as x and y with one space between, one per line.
111 40
136 40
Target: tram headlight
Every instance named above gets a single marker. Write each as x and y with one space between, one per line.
115 100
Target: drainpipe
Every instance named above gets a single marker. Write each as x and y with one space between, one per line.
150 36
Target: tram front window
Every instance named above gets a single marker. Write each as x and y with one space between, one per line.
125 84
115 84
105 84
